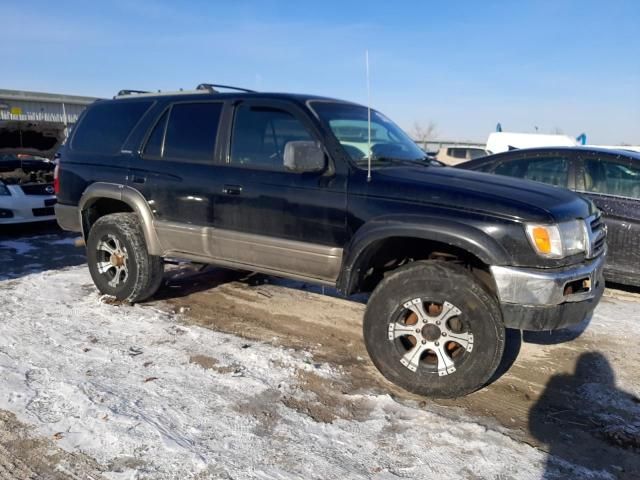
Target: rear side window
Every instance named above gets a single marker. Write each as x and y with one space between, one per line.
457 152
106 126
552 170
191 132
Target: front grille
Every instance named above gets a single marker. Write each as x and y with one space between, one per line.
38 189
49 202
43 212
597 233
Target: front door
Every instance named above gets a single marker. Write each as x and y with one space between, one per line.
613 183
271 217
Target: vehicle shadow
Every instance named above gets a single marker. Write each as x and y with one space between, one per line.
186 279
591 428
33 248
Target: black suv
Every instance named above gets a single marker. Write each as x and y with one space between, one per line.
304 187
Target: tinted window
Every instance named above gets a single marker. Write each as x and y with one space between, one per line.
106 126
260 135
154 144
458 152
612 178
191 131
552 170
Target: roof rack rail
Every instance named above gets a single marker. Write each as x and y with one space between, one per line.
130 92
212 88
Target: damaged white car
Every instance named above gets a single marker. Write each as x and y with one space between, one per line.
26 189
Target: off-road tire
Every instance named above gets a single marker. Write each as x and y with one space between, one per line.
434 282
145 272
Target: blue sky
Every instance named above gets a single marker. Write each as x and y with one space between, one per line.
465 65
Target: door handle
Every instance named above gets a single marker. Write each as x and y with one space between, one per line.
138 179
232 189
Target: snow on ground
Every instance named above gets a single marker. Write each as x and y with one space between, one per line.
120 384
20 247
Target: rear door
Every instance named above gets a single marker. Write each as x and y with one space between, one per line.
613 183
175 172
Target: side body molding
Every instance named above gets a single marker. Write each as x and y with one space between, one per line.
131 197
451 232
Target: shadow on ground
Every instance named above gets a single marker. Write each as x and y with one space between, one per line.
576 409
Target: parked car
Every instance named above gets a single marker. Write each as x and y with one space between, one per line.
611 178
26 189
459 153
287 185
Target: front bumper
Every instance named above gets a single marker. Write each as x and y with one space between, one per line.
536 299
21 208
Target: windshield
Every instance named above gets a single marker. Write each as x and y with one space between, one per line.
349 124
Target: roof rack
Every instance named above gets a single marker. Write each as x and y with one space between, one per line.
211 87
130 92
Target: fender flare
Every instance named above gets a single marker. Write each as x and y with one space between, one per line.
451 232
131 197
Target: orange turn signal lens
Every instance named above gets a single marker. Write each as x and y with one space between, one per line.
541 238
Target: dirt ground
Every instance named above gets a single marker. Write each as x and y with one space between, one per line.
24 456
534 395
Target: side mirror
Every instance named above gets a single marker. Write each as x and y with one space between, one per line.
303 156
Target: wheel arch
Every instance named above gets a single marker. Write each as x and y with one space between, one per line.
463 241
102 198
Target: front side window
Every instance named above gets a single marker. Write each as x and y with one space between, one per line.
260 135
190 134
551 170
349 123
611 178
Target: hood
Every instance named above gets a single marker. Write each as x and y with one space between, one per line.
483 193
31 138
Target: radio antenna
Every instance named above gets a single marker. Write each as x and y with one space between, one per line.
366 58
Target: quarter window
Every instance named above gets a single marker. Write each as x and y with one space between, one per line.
191 132
106 126
260 135
611 178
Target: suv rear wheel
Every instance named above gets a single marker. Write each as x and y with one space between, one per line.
432 329
119 262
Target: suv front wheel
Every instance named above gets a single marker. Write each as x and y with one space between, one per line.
119 262
432 329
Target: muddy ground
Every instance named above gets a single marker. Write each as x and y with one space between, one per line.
533 395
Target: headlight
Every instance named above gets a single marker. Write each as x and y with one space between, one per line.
4 190
558 241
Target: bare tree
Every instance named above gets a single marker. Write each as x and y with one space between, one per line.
423 134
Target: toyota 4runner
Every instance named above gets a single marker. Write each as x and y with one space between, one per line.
305 187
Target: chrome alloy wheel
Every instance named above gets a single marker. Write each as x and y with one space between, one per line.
112 260
430 335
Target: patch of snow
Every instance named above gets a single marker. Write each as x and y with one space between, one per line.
19 246
118 383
